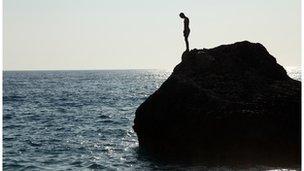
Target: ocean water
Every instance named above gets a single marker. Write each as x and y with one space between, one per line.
81 120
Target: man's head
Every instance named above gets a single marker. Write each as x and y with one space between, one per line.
182 15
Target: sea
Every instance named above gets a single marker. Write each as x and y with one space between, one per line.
82 120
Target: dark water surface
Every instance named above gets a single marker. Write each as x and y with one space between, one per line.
80 120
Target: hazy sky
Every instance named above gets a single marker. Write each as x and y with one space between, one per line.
130 34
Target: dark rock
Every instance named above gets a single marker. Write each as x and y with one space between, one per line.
230 103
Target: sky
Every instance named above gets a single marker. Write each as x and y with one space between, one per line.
141 34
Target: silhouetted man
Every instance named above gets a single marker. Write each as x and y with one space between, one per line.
186 29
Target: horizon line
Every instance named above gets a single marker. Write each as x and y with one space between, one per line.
83 69
4 70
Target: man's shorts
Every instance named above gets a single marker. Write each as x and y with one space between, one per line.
186 33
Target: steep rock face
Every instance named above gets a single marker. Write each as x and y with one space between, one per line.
227 103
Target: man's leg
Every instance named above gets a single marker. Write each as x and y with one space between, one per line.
187 43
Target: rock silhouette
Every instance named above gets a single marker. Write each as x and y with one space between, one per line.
229 103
